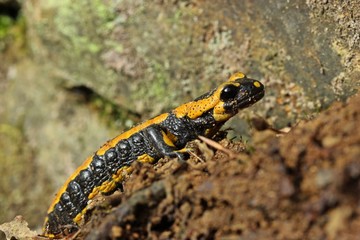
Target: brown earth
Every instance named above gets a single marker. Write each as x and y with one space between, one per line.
300 185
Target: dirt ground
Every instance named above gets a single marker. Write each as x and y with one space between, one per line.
301 185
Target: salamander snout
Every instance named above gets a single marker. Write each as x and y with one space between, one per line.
241 93
250 91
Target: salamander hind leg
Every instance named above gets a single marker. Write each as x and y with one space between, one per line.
164 145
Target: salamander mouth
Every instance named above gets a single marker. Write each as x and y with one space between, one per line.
259 95
250 100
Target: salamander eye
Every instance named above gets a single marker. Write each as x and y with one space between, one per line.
229 92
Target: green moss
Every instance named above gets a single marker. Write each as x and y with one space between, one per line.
79 36
157 88
13 37
84 24
5 25
114 116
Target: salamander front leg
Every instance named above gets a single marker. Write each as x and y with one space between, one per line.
164 145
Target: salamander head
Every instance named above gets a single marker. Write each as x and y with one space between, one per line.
237 93
226 100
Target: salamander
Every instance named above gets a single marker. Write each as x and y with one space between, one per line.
164 135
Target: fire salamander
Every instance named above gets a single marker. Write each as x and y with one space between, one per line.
164 135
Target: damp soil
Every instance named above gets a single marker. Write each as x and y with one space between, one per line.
304 184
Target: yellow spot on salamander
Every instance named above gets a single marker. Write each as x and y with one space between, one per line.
167 140
257 84
236 76
80 215
145 159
